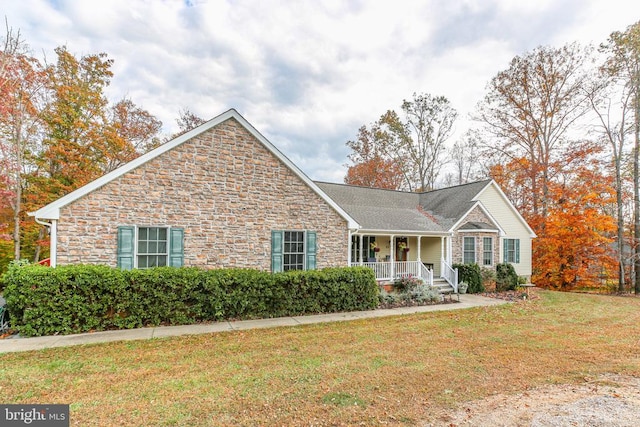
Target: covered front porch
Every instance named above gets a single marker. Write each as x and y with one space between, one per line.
395 255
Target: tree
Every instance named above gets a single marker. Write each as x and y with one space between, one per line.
74 144
129 132
413 146
464 156
187 121
418 141
612 106
574 244
370 167
21 83
530 108
623 65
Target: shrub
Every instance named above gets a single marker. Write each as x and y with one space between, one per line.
488 278
506 277
81 298
407 283
470 273
424 293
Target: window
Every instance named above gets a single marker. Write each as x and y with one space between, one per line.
152 247
293 250
487 251
366 244
469 250
512 251
146 247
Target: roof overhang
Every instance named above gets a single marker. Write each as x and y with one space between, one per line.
485 211
404 233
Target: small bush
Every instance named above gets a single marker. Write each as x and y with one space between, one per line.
407 284
488 278
424 293
470 273
506 277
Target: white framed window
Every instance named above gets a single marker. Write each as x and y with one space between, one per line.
293 250
511 251
469 250
293 253
487 251
150 246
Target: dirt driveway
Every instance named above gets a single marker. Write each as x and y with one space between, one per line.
610 400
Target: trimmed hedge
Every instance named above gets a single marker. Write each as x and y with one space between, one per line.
82 298
471 274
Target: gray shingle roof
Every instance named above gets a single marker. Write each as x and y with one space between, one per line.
377 209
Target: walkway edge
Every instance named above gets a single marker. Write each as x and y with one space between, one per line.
13 345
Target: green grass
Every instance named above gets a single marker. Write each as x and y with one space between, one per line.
386 371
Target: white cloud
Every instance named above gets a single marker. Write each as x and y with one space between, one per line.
308 74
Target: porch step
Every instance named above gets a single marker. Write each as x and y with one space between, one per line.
442 285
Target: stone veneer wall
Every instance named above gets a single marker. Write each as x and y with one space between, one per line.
223 187
476 215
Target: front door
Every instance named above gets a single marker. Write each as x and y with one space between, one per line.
401 248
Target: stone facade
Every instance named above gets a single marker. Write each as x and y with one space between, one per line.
476 215
223 187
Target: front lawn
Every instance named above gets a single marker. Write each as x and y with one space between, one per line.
386 371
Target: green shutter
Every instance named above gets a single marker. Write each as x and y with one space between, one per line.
176 247
517 245
504 250
311 250
126 237
277 238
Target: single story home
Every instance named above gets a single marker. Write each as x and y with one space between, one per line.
221 195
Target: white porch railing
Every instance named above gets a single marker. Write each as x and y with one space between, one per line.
449 274
392 270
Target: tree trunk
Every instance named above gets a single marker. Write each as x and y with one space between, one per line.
636 187
620 214
38 248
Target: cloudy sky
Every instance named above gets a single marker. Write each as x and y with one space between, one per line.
308 74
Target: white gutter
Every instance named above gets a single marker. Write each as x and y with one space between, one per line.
404 232
53 238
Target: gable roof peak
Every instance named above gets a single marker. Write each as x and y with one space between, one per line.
52 210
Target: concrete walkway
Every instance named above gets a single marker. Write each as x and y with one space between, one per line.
11 345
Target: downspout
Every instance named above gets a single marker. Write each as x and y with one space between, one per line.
53 237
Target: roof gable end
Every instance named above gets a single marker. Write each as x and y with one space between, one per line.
52 210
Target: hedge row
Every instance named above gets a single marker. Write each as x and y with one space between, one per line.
82 298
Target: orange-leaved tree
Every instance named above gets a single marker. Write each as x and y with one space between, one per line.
370 167
574 244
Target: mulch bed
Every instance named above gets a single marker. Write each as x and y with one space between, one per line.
399 304
511 295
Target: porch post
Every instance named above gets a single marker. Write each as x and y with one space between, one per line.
361 249
392 256
419 247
